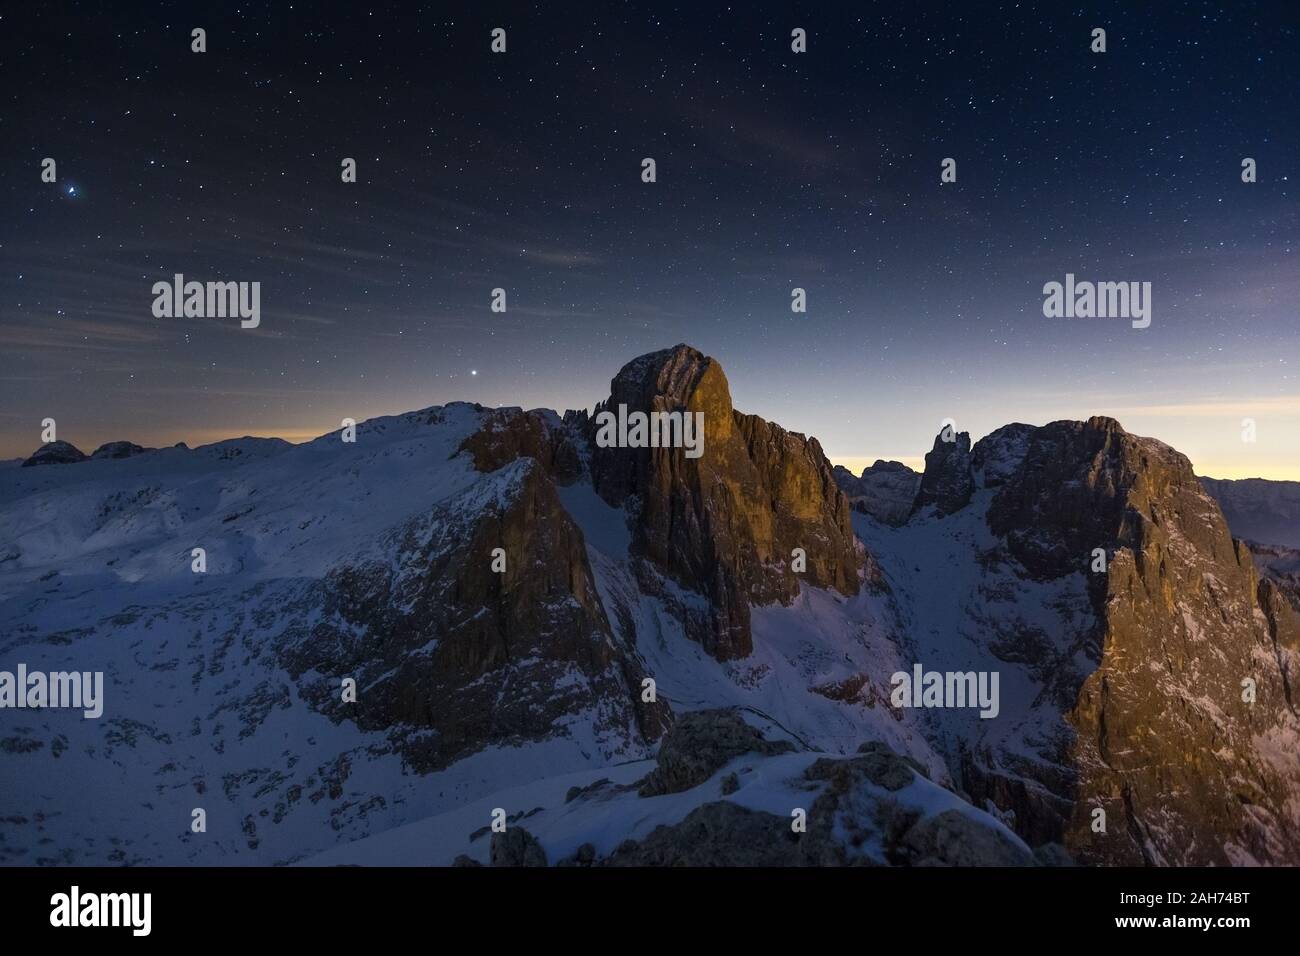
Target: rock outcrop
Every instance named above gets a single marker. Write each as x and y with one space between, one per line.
55 453
726 524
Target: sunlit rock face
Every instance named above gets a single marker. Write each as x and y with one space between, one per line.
1185 770
725 524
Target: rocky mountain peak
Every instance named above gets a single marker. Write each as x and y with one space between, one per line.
946 484
756 513
1165 738
668 379
1083 483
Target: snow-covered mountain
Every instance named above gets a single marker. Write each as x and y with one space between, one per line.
1258 509
637 656
885 490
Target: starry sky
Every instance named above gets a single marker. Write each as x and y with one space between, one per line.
775 170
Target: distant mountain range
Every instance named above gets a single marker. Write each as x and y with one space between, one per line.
1258 509
479 636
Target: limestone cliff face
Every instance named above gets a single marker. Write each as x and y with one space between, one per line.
454 655
1186 770
726 524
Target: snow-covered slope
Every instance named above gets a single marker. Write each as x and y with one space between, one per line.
470 609
212 696
200 710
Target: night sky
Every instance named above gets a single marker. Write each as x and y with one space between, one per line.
775 170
